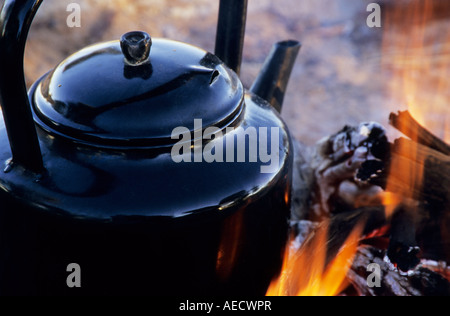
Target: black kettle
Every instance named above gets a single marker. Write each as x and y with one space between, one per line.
145 164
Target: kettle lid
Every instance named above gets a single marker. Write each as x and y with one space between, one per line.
134 92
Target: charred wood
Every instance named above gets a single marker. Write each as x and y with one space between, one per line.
403 248
418 172
421 282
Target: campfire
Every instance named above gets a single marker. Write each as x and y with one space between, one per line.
392 239
373 216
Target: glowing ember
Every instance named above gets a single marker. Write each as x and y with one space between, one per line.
305 272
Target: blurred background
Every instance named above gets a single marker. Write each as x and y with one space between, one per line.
346 72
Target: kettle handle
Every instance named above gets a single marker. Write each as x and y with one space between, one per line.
16 17
15 21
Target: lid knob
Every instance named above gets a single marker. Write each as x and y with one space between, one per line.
136 47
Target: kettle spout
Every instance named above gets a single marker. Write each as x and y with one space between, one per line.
273 80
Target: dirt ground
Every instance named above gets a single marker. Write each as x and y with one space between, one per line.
346 72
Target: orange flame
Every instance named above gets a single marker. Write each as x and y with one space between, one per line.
390 201
417 52
406 172
304 272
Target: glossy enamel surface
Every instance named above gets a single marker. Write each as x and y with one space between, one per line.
95 96
102 183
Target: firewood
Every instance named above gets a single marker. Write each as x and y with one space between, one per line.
420 283
416 151
419 168
417 171
406 176
405 123
341 225
403 248
436 188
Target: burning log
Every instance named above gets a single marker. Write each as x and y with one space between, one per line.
421 282
417 152
416 172
430 167
420 169
405 123
405 224
341 225
417 169
403 248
